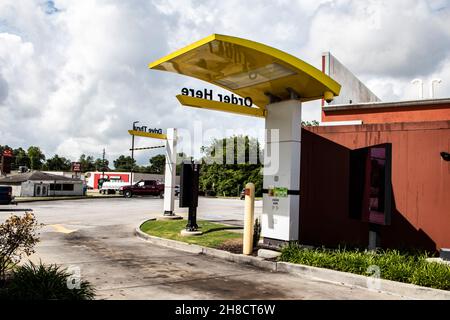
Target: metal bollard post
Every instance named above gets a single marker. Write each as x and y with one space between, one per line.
249 214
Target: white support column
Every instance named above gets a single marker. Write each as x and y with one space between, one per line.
281 199
170 172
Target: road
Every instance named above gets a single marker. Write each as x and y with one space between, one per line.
96 236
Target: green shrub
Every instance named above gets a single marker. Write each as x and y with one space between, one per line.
394 265
18 236
41 282
434 275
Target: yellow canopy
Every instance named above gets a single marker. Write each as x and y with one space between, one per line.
249 69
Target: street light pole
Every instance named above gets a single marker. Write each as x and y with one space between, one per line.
132 154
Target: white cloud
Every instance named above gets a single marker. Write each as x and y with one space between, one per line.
73 74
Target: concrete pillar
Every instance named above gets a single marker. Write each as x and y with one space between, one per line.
281 198
170 172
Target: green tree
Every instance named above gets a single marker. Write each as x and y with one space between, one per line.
124 163
87 163
21 158
313 123
158 164
229 178
36 157
101 165
57 163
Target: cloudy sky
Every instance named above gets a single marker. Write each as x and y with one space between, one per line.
73 74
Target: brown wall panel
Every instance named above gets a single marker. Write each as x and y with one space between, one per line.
420 181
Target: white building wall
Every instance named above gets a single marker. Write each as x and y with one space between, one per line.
77 191
16 190
28 187
352 90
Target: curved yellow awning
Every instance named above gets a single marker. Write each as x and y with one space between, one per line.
249 69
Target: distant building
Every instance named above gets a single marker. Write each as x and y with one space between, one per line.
93 178
40 184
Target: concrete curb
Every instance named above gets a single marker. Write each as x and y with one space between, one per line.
196 249
404 290
65 198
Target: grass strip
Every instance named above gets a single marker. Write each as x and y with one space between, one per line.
393 264
214 234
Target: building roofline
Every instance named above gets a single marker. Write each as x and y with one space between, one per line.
393 104
36 176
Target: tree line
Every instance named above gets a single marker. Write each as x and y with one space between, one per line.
228 178
33 158
223 178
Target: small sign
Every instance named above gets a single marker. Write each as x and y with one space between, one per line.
76 167
281 192
278 192
147 129
7 153
208 94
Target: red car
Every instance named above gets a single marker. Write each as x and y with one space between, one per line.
143 187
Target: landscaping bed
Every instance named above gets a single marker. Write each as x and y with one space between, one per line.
392 264
215 235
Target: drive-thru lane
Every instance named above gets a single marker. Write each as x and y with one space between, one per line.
97 237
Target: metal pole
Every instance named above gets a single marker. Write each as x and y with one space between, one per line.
192 219
374 237
170 172
132 154
192 213
103 163
132 159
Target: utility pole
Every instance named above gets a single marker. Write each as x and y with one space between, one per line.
132 153
103 164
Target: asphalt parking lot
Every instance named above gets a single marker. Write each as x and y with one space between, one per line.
110 211
96 236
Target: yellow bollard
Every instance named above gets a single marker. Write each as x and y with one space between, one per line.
248 222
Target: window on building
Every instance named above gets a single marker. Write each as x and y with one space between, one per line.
67 187
55 187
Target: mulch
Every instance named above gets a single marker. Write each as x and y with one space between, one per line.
235 246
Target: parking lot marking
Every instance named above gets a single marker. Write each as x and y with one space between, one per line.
61 229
